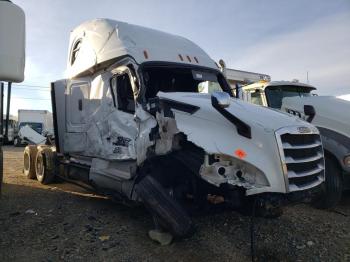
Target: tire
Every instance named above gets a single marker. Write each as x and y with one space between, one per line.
29 157
332 188
269 212
265 209
45 165
168 212
17 142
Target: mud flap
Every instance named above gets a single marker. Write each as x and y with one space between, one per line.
168 212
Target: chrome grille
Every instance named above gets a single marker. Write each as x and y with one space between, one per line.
302 157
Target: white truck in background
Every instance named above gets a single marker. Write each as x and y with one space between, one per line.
38 120
136 120
328 113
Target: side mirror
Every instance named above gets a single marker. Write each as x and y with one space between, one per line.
310 112
221 99
12 42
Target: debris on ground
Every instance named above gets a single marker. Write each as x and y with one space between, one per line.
76 221
163 238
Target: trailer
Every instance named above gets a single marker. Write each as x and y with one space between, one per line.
327 113
134 122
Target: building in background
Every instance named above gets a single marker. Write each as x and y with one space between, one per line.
244 77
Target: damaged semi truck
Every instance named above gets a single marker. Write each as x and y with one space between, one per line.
134 121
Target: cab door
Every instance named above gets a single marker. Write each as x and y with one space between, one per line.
77 100
77 97
123 122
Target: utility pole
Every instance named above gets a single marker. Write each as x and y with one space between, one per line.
1 109
1 133
7 111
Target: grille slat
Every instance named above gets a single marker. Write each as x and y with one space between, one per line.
303 157
286 145
292 174
291 160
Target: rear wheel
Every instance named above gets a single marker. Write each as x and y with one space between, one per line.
332 188
29 157
45 165
170 215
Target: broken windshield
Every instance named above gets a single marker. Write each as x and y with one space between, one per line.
181 79
275 94
38 127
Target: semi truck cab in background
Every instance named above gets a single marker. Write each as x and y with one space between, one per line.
329 114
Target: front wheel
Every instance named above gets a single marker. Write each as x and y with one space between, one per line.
169 213
332 188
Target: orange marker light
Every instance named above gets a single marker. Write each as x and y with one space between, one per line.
181 58
240 153
189 59
145 54
195 58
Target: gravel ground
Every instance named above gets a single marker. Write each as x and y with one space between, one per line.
62 222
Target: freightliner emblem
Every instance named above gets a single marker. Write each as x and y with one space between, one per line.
304 129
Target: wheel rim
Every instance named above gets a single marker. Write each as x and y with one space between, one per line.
26 161
40 166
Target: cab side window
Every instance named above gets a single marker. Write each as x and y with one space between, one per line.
256 98
122 93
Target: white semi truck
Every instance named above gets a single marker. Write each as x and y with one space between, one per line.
38 120
328 113
134 121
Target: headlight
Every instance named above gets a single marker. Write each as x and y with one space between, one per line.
347 161
254 176
219 169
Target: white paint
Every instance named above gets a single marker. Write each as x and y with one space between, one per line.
344 97
331 112
31 135
208 129
12 42
103 123
104 40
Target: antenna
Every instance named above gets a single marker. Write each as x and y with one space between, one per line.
307 77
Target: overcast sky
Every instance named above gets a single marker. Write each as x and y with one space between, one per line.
284 39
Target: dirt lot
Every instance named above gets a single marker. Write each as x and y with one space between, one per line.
64 222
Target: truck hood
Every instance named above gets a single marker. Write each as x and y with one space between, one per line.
253 115
206 127
331 112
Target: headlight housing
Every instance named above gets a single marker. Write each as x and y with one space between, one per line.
218 169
